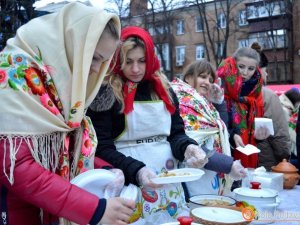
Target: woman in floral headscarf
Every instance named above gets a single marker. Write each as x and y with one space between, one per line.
203 123
139 128
51 71
243 82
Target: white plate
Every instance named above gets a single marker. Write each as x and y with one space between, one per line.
218 214
94 181
182 175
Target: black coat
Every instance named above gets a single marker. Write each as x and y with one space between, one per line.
109 124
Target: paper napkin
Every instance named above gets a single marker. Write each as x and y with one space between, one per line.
248 149
260 122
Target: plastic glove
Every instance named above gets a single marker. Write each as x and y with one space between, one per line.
144 177
237 171
262 133
216 93
114 188
194 156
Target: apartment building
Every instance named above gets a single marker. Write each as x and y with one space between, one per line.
215 29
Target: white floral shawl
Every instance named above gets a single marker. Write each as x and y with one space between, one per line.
45 88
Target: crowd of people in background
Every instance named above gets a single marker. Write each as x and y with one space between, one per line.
95 91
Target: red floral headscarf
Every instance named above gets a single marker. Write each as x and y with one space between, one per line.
242 108
152 65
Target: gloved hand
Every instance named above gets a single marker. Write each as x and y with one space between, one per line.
194 156
114 188
216 93
237 171
144 177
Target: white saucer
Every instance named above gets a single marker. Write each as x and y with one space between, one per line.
94 181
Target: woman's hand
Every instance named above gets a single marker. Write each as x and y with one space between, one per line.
238 141
118 211
144 177
237 170
195 156
216 93
262 133
114 188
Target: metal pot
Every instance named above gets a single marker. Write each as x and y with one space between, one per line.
260 200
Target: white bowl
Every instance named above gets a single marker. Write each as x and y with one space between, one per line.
218 215
204 201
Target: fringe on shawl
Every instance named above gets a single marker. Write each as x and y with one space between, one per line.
224 139
45 149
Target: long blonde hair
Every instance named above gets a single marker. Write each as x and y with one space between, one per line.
116 81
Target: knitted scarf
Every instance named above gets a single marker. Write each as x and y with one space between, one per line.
242 109
152 66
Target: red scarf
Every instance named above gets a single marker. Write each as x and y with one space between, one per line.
152 65
243 108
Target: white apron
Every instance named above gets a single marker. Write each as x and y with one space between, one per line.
145 139
211 182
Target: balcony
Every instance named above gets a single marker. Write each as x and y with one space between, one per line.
263 10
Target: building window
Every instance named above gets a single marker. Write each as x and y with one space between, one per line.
199 24
179 27
262 11
155 30
277 8
151 30
252 12
243 18
220 49
221 21
243 43
200 52
266 9
165 54
270 39
180 55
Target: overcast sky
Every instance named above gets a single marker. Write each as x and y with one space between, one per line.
97 3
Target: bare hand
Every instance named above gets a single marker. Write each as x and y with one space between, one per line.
238 141
262 133
118 211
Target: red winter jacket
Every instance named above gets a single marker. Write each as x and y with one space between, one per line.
35 187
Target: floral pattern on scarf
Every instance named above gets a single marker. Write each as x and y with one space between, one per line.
242 109
293 120
200 115
33 77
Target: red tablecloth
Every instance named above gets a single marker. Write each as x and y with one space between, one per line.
281 88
